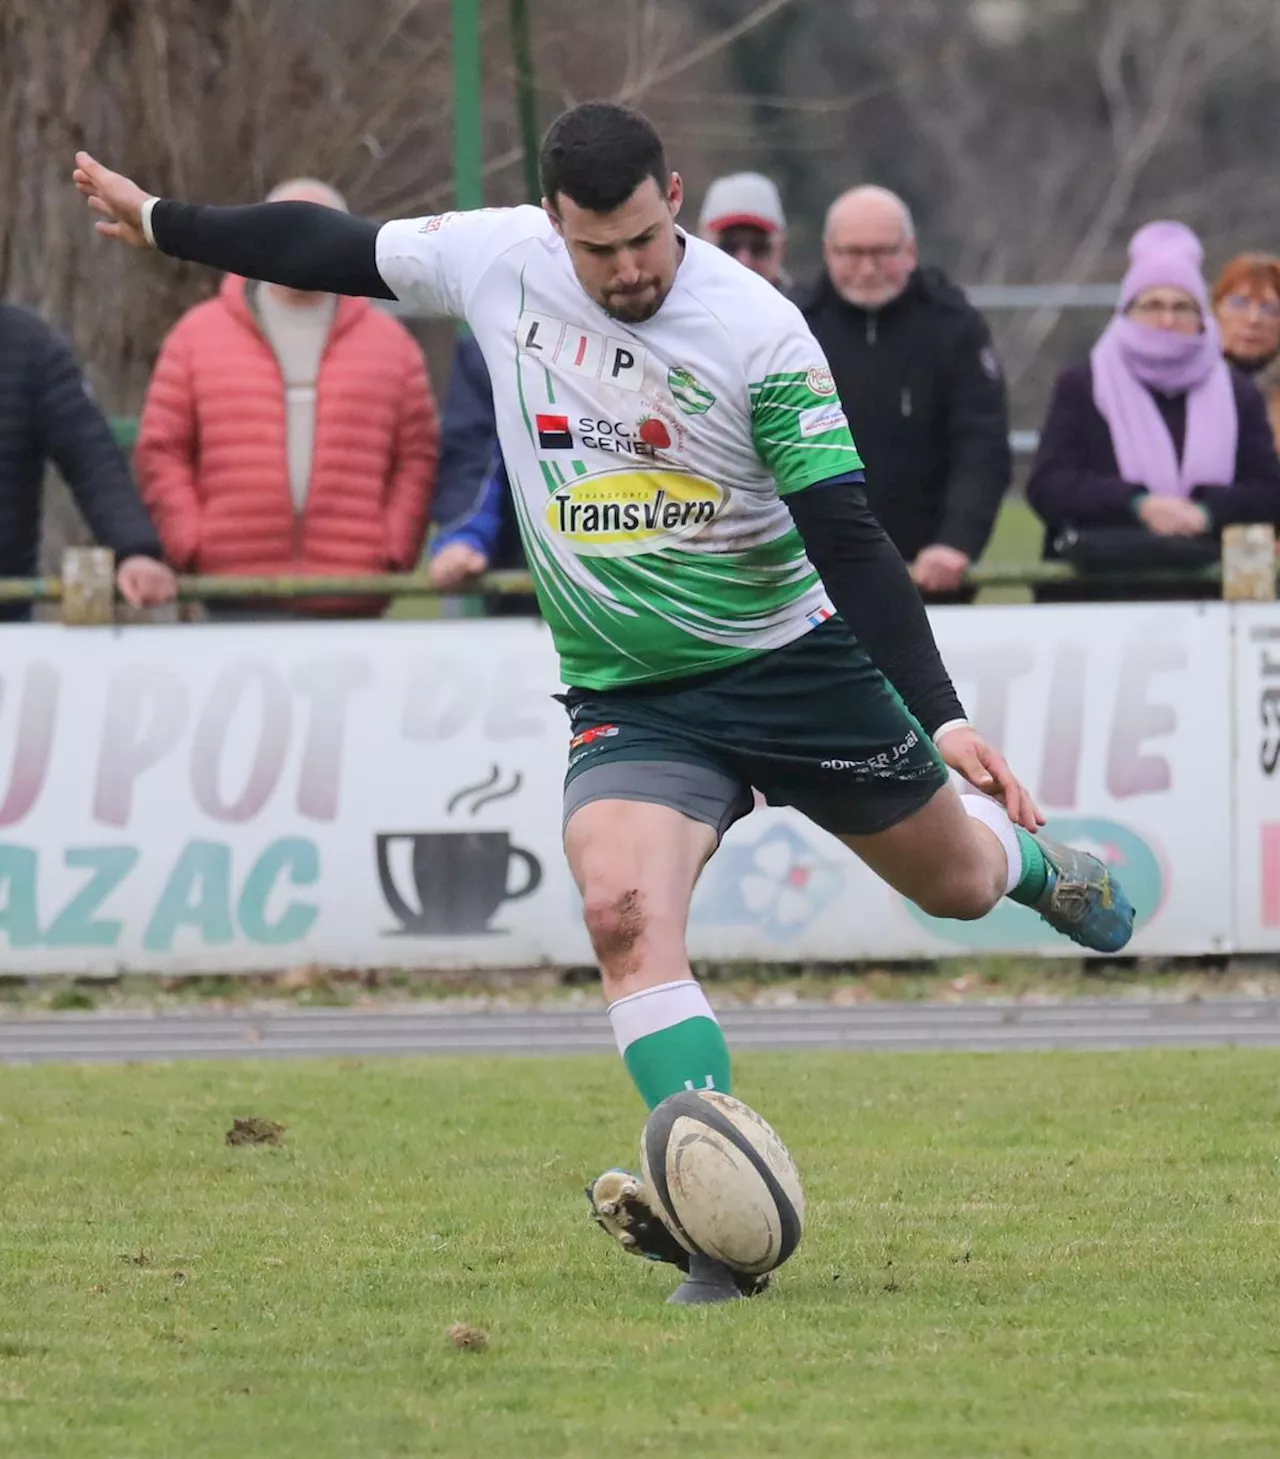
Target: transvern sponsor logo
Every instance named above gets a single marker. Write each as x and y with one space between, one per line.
632 512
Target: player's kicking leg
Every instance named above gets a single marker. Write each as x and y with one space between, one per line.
960 853
636 865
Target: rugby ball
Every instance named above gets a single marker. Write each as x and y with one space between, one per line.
723 1181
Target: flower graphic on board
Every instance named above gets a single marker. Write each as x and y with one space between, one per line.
780 884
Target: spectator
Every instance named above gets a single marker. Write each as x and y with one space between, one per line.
1156 443
1246 304
477 529
47 413
921 385
742 214
286 432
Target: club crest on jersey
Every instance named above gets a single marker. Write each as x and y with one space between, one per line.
569 347
688 391
628 513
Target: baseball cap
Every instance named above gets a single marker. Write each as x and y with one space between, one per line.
742 199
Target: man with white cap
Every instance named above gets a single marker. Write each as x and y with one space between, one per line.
742 214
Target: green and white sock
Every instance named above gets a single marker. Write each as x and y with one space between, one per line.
670 1040
1028 872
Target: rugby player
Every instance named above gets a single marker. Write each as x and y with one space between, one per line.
727 612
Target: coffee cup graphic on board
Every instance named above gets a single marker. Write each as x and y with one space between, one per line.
460 879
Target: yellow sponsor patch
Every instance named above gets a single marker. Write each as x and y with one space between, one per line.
630 512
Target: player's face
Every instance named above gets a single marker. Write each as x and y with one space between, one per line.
626 260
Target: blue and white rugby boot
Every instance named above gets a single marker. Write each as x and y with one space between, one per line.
1082 900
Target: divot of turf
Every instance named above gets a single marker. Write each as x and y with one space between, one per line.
255 1131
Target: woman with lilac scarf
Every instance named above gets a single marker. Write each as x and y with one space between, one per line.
1155 444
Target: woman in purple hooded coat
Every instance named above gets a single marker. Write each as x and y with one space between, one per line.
1154 444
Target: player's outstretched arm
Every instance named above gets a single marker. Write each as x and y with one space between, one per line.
872 591
301 245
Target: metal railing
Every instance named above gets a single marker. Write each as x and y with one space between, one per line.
86 593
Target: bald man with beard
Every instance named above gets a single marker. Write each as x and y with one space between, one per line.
921 385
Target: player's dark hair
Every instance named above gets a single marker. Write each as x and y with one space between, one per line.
598 153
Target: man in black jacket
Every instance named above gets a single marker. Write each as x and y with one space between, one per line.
921 386
48 414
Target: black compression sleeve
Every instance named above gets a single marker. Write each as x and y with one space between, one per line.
871 589
301 245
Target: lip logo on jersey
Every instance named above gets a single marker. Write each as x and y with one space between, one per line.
629 513
554 433
688 391
577 351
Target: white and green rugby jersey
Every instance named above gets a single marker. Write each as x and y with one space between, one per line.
648 462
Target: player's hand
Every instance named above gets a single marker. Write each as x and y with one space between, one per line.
144 582
118 199
986 769
455 566
939 568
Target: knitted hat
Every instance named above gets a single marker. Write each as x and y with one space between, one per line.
1165 255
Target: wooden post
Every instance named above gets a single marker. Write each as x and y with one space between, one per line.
88 585
1249 563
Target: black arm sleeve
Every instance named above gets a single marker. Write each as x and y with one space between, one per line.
301 245
872 591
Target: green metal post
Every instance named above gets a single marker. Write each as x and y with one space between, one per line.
526 97
468 142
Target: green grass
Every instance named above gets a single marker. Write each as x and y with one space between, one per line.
1014 1255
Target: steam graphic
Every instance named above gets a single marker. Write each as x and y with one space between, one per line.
486 792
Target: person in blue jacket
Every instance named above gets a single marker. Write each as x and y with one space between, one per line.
475 523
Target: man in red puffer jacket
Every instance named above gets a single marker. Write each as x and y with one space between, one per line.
286 432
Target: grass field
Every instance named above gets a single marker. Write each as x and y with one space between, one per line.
1040 1255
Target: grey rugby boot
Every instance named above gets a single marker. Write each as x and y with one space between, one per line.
620 1206
712 1281
1082 900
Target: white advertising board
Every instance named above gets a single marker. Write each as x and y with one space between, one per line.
1116 717
227 797
1256 792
